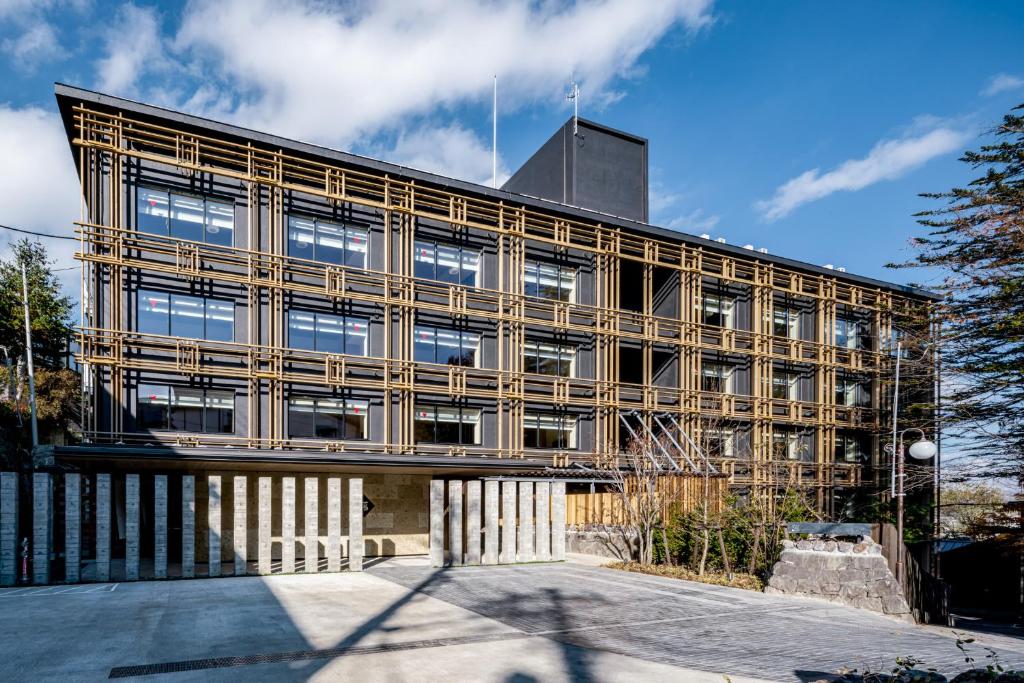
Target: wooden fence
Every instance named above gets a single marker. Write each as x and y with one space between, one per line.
678 493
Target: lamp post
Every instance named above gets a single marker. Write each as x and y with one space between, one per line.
922 449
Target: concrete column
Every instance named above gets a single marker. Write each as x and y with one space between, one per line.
8 528
188 526
455 523
312 525
436 523
42 526
525 546
558 521
334 524
213 523
160 526
491 516
239 539
103 527
72 527
263 523
355 524
473 522
288 525
131 527
508 522
543 495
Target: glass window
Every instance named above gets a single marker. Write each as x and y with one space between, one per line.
446 263
327 418
792 445
185 409
154 313
327 333
850 448
719 311
179 315
852 393
317 240
446 425
549 431
785 385
720 443
447 347
549 359
549 281
717 377
185 217
786 323
848 334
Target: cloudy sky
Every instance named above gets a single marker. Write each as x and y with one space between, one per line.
807 128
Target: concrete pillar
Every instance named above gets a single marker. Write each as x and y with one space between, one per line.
543 495
524 547
8 528
312 525
455 523
491 516
213 523
436 523
42 526
72 528
160 526
473 522
355 524
131 527
558 521
334 524
239 540
263 524
103 527
508 522
288 525
188 526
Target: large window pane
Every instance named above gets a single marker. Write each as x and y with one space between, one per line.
356 243
330 418
187 218
220 412
470 343
448 264
470 267
330 243
424 345
187 410
301 418
301 237
152 211
153 312
220 223
153 405
187 316
423 425
330 333
423 261
356 332
355 419
302 330
220 320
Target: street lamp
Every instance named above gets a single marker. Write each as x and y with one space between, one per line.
922 449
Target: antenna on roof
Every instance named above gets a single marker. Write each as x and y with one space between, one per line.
574 95
494 139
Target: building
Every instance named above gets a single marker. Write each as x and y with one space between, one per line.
256 304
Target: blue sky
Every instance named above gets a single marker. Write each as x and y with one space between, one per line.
807 128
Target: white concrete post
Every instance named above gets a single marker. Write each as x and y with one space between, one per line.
103 527
558 521
355 524
72 527
264 516
455 522
508 522
525 544
436 523
239 539
42 526
312 553
543 493
160 526
288 525
131 527
213 524
8 528
473 522
334 524
491 517
188 526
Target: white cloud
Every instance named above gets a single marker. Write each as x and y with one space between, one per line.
35 44
337 74
451 150
1002 83
887 160
695 221
132 46
39 188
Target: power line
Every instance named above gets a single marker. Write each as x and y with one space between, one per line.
38 234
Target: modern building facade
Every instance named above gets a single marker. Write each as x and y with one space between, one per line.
256 304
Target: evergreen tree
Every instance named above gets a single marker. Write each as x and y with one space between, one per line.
976 237
50 310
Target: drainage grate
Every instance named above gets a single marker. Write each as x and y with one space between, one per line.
301 655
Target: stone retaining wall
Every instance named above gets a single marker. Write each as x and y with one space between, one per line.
612 542
853 574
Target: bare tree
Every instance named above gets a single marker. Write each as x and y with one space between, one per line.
636 484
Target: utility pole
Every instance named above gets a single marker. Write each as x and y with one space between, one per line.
28 353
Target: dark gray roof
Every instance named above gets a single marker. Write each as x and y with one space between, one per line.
68 96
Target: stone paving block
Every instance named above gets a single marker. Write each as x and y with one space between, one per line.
160 526
42 526
455 522
542 492
334 524
188 526
492 517
131 527
263 525
72 527
437 523
8 528
213 519
355 524
508 522
312 521
524 542
103 527
288 525
558 521
473 522
239 540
